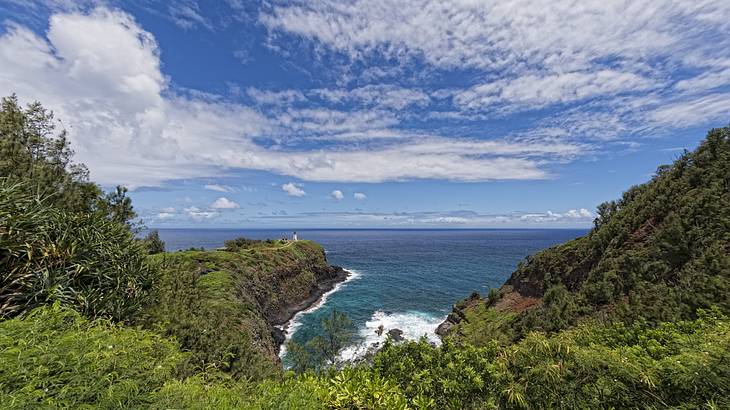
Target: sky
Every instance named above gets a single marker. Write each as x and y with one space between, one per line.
372 113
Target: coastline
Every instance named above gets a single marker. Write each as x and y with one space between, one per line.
284 322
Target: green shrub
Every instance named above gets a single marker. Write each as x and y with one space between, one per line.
53 357
83 260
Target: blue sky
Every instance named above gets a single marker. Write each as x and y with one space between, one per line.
378 113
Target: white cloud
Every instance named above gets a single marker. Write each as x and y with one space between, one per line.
218 188
293 189
464 218
359 196
186 14
224 203
381 96
169 210
716 75
337 195
100 73
165 215
285 97
445 220
694 110
528 54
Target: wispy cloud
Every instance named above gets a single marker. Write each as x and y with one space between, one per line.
197 214
186 14
580 217
610 71
218 188
100 73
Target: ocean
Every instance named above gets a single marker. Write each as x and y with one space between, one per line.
404 279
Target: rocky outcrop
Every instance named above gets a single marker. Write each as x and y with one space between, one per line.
328 278
458 314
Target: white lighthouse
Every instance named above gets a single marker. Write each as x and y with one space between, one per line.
295 237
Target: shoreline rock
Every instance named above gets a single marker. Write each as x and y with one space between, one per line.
396 335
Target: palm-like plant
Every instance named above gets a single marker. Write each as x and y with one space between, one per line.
80 259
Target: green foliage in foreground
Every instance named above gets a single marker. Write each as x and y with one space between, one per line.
83 260
53 358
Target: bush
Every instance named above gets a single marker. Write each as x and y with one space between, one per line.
83 260
53 357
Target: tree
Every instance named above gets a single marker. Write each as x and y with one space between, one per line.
118 206
153 243
32 152
322 351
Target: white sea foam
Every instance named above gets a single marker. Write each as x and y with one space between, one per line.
294 323
414 325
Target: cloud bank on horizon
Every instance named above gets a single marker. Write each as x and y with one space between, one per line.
374 92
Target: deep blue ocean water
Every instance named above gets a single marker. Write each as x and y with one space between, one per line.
405 279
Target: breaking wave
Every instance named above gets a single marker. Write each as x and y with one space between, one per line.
413 324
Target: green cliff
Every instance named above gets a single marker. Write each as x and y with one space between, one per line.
658 254
224 305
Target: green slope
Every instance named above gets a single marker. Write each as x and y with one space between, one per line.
658 254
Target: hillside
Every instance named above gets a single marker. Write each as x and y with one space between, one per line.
224 305
657 254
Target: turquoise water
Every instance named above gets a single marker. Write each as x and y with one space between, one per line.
405 279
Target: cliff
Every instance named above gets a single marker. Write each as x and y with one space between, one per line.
658 254
224 305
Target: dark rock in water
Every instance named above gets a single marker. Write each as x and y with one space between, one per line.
380 330
457 314
278 335
396 335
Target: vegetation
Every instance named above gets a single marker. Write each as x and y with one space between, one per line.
153 243
658 254
61 238
33 153
84 260
53 357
